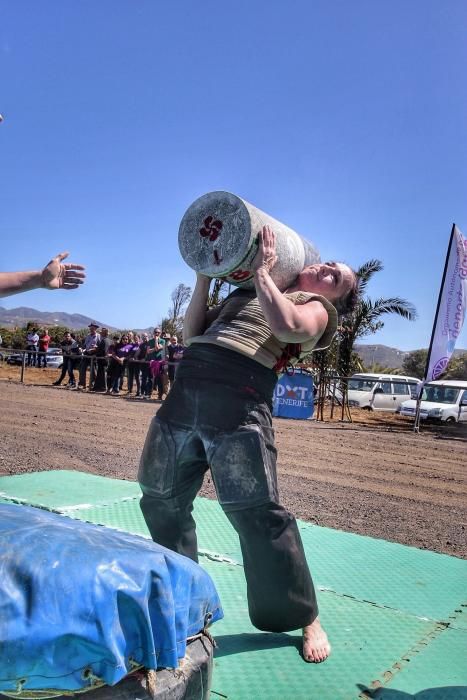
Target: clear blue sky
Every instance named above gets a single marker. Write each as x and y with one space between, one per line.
345 120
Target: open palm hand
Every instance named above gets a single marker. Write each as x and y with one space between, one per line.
57 275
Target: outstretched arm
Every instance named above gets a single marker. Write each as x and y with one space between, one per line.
289 323
55 275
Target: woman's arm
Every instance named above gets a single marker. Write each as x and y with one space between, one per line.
289 323
195 321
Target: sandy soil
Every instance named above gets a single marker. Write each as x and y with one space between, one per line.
373 476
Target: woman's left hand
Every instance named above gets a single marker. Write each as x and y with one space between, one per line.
266 256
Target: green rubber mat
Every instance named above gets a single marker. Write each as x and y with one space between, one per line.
396 615
65 490
368 642
416 581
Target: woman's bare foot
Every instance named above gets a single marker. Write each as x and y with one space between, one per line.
316 647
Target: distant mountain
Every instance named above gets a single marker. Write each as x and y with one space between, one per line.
10 318
381 355
387 357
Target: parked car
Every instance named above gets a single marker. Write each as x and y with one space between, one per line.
381 392
443 400
15 358
54 358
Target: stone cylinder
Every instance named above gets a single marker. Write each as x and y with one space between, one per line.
218 237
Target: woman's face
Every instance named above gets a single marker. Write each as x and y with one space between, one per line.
331 280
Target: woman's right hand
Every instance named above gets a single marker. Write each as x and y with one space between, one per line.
266 256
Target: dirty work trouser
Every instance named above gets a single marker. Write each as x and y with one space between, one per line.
229 430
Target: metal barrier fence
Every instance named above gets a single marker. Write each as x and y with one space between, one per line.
34 354
332 389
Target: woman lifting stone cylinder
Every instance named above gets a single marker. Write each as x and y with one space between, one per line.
218 413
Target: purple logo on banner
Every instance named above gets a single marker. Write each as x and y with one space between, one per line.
293 396
440 366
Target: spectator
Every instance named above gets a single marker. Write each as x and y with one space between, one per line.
146 378
90 350
156 346
159 377
166 339
127 340
165 375
76 351
32 343
134 368
117 356
165 379
156 351
44 341
71 352
102 361
174 355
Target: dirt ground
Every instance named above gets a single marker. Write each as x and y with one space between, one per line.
373 476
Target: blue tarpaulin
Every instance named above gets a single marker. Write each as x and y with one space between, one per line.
81 602
293 396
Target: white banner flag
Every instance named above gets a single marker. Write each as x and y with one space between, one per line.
452 306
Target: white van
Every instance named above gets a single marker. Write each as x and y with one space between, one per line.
381 392
443 400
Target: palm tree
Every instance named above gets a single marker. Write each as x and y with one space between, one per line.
365 318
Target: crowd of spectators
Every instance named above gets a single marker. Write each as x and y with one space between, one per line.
102 362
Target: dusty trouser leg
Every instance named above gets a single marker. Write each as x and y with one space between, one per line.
171 472
281 594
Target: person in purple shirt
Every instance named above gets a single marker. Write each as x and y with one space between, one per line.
118 353
134 368
127 349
